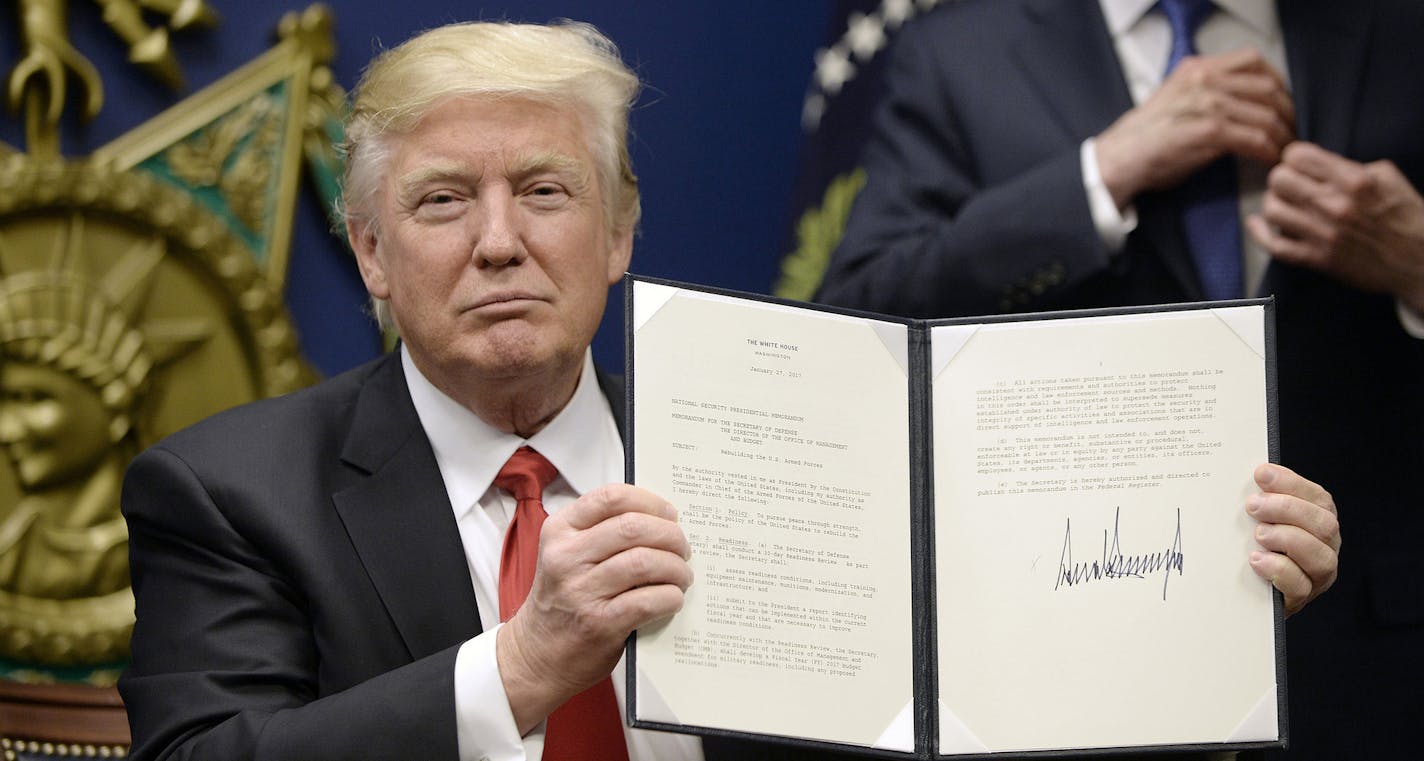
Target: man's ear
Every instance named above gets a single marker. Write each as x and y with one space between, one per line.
620 253
362 236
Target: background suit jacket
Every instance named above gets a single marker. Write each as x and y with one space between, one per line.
974 204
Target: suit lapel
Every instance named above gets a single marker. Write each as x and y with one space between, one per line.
1067 54
1326 43
400 521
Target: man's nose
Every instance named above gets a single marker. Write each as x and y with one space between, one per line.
499 241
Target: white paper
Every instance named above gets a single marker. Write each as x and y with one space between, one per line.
781 435
1091 541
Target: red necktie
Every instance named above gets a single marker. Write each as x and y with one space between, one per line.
587 726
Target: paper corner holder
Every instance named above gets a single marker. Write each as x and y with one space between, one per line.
1247 322
955 737
892 337
649 705
1261 723
946 341
900 734
648 300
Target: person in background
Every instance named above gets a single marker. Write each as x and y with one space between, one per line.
1041 154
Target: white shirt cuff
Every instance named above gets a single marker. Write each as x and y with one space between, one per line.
1410 320
484 723
1112 225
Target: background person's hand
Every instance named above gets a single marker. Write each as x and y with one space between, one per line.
1208 107
1360 223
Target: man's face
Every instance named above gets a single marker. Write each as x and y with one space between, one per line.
493 250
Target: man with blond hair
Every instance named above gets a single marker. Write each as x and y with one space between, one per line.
321 576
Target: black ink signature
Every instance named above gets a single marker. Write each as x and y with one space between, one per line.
1114 564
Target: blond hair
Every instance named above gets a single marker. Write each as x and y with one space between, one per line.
565 64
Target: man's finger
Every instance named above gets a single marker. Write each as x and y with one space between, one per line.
1265 91
1280 246
1293 185
1314 557
638 567
1278 479
1284 575
630 529
613 499
643 605
1322 165
1295 221
1248 59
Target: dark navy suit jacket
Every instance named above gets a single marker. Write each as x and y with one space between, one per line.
301 586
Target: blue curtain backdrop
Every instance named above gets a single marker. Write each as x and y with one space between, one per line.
716 134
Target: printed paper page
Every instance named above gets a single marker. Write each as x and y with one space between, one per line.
1091 542
780 435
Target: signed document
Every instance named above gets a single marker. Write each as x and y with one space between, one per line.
956 538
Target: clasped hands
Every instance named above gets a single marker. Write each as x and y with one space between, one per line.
1361 223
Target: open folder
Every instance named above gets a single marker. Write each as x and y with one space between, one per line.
1005 535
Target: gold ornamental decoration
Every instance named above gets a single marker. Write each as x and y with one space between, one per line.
140 290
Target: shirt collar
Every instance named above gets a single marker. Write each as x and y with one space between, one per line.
1122 15
1257 14
470 452
574 440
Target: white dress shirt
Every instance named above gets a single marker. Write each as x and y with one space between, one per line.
582 442
1143 40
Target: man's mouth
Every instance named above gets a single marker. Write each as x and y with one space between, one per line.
501 298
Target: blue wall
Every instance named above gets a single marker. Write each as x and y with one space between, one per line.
715 141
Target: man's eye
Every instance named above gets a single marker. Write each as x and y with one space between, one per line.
546 190
440 198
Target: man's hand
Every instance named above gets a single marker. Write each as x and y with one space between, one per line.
608 564
1299 532
1361 223
1208 107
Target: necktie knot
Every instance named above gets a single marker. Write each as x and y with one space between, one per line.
1185 16
526 474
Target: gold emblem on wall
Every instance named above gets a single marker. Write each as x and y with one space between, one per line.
140 290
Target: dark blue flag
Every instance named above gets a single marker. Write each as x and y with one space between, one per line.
845 86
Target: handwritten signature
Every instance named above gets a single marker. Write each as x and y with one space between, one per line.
1114 564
